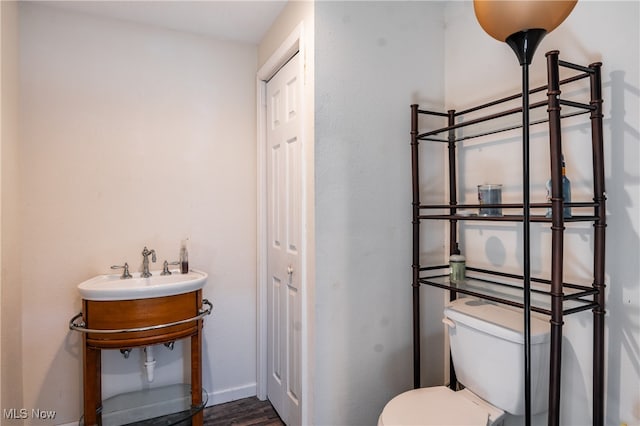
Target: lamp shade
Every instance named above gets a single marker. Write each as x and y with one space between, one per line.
502 18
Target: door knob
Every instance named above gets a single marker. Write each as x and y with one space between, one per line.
290 270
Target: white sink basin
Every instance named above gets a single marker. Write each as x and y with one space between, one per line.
111 287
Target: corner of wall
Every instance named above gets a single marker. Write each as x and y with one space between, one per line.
290 17
10 290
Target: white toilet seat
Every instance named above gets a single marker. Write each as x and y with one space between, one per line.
438 406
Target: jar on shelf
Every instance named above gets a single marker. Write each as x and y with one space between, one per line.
457 267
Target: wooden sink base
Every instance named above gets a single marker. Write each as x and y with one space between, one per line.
131 314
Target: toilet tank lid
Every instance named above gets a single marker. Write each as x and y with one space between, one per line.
496 320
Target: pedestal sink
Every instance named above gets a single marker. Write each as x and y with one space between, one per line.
134 312
112 287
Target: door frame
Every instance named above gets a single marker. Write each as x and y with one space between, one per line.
293 44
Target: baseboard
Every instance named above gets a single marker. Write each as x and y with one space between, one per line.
231 394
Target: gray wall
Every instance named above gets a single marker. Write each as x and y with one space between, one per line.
373 59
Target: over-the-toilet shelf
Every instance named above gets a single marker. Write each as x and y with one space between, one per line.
549 295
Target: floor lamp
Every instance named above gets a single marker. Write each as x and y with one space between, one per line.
522 24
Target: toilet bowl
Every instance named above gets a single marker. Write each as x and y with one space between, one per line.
439 406
487 347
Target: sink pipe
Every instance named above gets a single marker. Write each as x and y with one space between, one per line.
150 362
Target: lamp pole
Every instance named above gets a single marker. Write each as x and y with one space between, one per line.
522 25
524 44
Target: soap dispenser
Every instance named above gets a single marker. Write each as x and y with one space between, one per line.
184 257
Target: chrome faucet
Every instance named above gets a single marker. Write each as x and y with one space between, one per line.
145 261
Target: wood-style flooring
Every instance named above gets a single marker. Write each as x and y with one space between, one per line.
243 412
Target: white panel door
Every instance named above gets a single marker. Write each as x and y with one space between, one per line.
284 188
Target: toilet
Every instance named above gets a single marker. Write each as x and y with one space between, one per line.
487 348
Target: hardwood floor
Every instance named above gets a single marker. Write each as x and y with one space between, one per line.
243 412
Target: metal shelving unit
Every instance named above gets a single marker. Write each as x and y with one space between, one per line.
550 296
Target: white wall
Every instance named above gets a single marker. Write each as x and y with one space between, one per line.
477 69
373 59
133 136
10 291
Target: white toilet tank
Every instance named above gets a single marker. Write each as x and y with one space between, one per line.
487 347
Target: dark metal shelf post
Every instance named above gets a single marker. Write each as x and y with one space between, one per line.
600 211
557 238
454 248
416 246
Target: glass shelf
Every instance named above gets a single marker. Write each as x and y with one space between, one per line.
168 405
510 121
507 218
469 212
505 114
508 289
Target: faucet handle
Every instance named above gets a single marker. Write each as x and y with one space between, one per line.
165 267
146 252
125 273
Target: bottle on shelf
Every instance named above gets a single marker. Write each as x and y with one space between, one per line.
184 257
457 266
566 192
